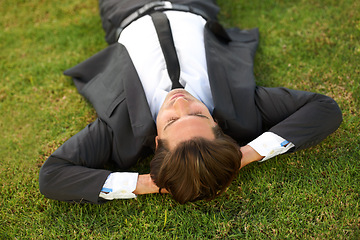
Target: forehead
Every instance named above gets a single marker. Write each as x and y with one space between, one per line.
187 128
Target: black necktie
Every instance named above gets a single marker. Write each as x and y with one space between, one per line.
163 31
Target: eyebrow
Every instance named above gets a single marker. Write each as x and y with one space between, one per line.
195 115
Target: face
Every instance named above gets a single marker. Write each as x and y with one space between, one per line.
183 117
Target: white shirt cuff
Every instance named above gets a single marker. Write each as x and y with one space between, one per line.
270 145
119 185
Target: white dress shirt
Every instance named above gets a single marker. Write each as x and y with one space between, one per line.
140 39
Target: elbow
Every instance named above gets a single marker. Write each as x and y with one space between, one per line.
47 177
43 183
337 114
334 111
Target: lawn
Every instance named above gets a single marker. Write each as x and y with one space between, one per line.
309 45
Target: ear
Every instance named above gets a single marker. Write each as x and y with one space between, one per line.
156 142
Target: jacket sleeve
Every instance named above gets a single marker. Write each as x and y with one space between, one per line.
75 171
303 118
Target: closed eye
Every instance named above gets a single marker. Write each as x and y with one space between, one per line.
173 120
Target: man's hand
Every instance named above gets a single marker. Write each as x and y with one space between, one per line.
249 155
146 185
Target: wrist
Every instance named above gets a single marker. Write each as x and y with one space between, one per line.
145 185
249 155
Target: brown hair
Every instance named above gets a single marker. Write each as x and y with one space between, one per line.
197 168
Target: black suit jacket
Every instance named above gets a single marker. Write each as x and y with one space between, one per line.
125 129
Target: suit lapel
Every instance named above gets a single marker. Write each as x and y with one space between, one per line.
139 111
224 108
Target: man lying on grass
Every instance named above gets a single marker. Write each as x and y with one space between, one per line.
175 81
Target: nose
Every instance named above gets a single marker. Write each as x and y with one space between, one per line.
182 106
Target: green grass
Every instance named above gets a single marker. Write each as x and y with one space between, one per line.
313 194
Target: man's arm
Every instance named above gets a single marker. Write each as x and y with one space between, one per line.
266 146
302 118
249 155
146 185
75 171
125 185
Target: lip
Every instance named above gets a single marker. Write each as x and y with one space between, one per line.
176 96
